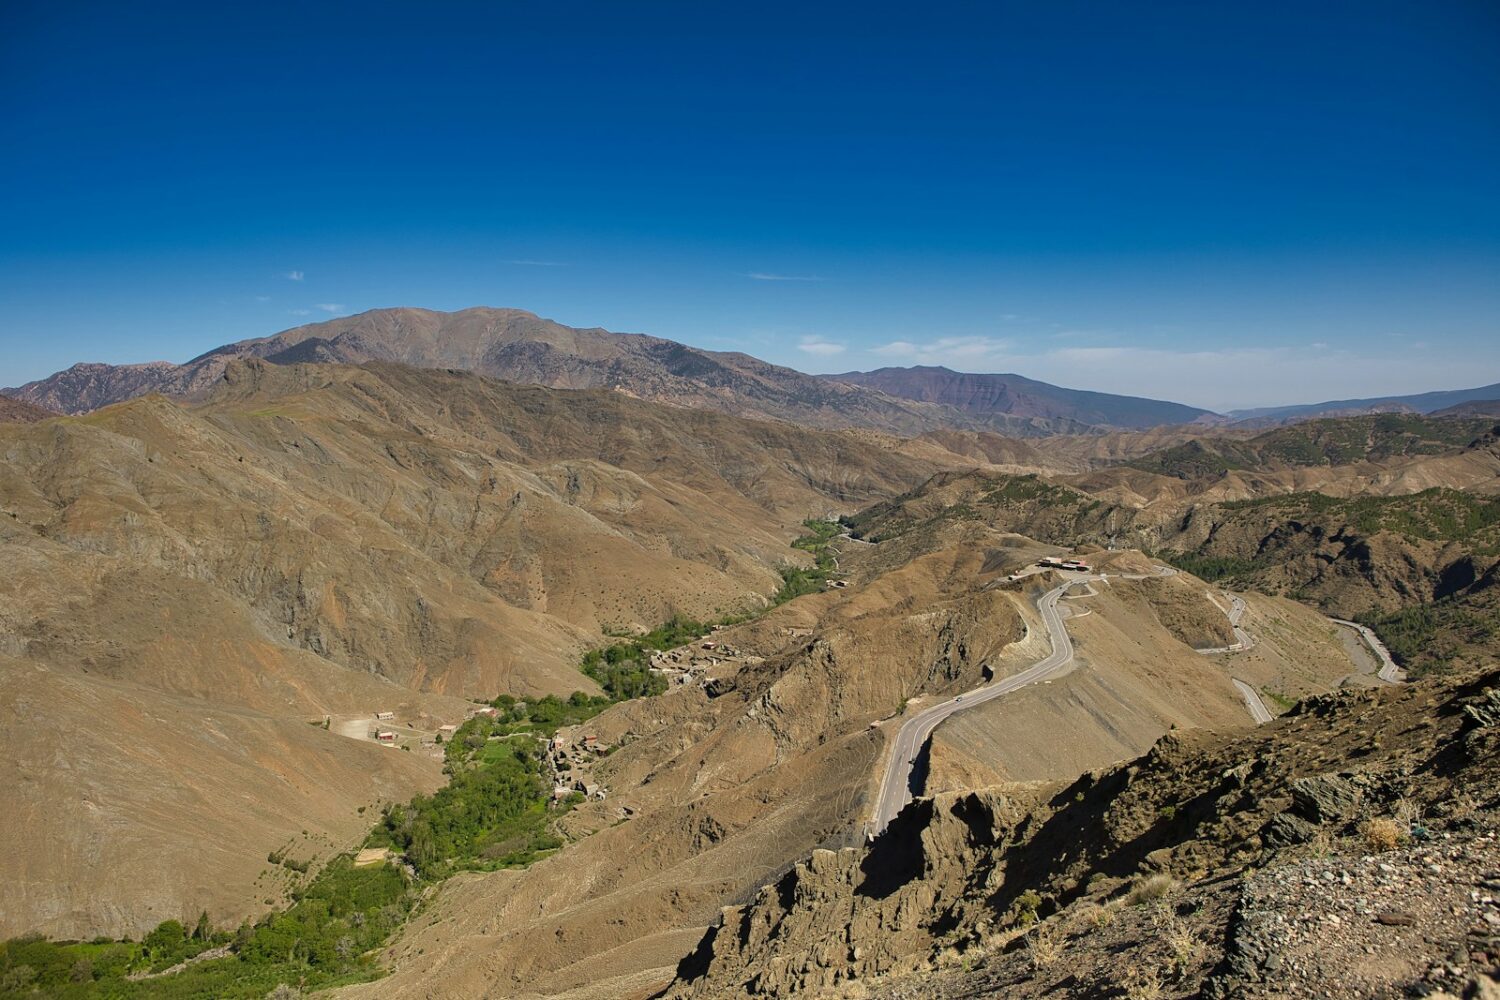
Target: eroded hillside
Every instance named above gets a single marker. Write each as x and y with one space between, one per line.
1419 566
316 543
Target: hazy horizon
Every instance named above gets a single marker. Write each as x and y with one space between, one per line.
1402 389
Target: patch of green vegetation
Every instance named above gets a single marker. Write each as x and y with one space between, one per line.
820 533
799 580
1282 701
1410 634
623 668
1428 638
1029 487
325 938
491 814
544 716
1438 514
1209 567
1195 460
1306 501
1330 441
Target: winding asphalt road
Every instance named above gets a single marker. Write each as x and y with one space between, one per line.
1258 710
895 790
1242 639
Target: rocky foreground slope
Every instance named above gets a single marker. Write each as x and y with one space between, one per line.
1347 849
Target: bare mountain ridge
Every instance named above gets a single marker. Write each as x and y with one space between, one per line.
521 347
1017 396
321 540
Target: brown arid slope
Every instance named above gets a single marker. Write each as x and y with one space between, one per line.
1138 674
127 805
1347 849
723 787
1132 680
16 411
319 541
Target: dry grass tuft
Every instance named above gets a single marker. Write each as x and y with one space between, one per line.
1182 945
949 958
1143 984
1095 916
1407 815
1043 947
1381 834
1150 889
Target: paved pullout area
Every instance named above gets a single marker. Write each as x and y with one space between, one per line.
1389 672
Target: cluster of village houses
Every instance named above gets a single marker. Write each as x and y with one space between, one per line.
565 755
684 664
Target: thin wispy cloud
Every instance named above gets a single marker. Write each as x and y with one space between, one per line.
538 263
768 276
945 350
300 312
293 275
819 347
331 307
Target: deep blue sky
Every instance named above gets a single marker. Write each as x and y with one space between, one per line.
1227 204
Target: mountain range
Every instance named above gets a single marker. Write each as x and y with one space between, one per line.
522 347
1422 402
214 601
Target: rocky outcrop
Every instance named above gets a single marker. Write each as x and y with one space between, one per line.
969 872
